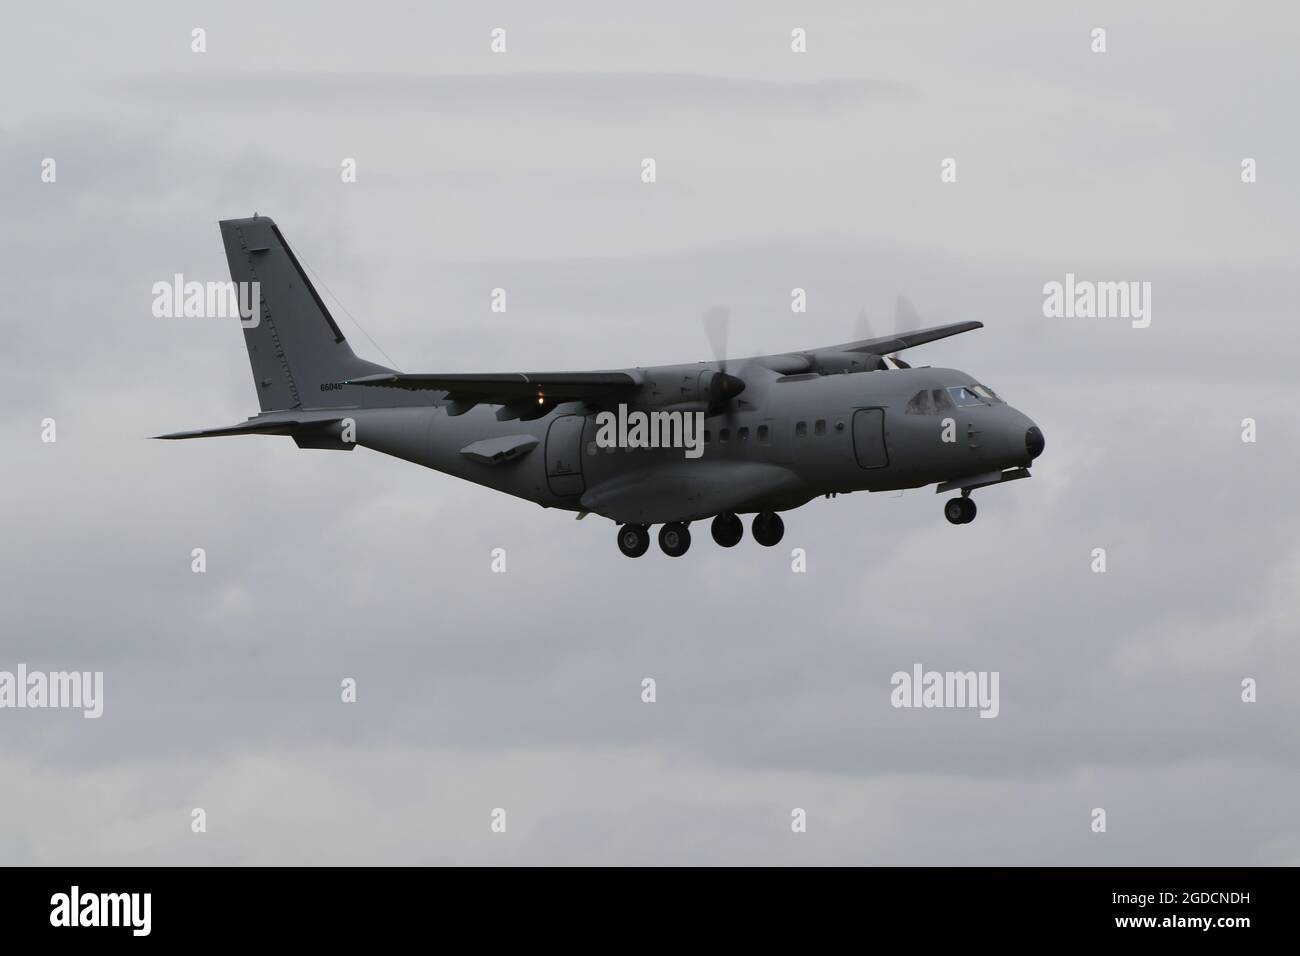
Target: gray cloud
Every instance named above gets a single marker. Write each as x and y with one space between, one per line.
625 97
522 690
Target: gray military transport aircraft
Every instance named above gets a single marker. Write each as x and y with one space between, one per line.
775 431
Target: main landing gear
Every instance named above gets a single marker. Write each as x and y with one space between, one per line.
960 510
675 537
728 530
633 540
768 528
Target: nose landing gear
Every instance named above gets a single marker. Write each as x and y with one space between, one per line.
960 510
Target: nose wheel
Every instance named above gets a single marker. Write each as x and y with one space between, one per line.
960 510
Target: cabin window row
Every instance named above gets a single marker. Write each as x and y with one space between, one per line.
764 436
742 434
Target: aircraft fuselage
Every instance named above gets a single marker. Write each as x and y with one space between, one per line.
828 433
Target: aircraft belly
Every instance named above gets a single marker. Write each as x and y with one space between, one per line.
687 491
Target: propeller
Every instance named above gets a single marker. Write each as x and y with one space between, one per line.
723 386
906 319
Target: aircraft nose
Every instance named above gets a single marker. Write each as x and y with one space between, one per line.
1034 442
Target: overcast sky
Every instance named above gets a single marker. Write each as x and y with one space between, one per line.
523 690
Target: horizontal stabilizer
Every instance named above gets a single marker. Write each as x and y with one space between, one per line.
254 427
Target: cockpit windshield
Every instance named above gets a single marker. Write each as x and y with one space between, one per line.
974 395
962 395
937 400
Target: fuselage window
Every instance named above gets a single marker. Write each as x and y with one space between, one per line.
801 429
763 434
724 435
820 427
742 433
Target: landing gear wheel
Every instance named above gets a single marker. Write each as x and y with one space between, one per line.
768 528
959 510
728 530
674 539
633 540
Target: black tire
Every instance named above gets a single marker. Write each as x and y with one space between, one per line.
768 529
633 540
971 510
674 539
727 530
960 510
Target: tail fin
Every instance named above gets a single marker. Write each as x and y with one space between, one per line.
296 350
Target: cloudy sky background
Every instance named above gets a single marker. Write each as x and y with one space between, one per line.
522 690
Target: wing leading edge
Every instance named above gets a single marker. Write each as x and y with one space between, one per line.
887 345
509 388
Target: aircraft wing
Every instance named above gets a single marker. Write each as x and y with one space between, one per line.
509 388
887 345
549 388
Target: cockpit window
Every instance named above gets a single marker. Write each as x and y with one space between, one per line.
974 394
941 400
921 404
962 395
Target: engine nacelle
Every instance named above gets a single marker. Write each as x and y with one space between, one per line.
835 363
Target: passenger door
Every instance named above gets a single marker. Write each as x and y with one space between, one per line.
564 455
869 438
